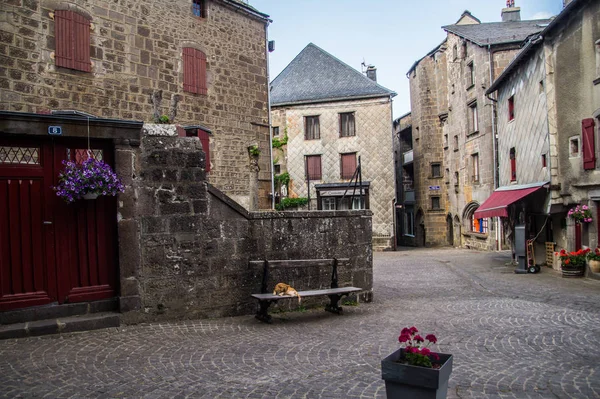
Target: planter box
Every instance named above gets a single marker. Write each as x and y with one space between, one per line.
573 271
405 381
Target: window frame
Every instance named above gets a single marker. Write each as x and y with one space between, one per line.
473 118
275 131
331 203
341 124
471 74
512 154
439 202
433 167
202 8
482 223
475 167
315 126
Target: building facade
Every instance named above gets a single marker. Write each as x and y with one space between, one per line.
454 128
201 63
334 118
405 182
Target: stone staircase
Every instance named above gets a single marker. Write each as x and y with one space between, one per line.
55 319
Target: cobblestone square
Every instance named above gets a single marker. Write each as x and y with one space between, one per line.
512 336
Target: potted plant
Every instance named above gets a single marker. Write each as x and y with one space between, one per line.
573 263
594 260
581 214
414 371
87 180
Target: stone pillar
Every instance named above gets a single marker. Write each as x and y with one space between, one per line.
254 169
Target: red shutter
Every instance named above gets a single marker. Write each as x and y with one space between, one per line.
513 169
63 35
201 77
589 149
313 163
188 71
205 141
194 71
348 165
81 31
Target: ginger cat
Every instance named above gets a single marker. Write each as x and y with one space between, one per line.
282 289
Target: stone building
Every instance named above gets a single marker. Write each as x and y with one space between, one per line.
454 127
334 117
203 63
405 188
548 130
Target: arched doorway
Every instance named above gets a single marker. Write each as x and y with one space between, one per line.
420 229
450 230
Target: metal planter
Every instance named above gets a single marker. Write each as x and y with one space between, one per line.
414 382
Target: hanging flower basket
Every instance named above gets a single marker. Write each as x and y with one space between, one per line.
88 180
581 214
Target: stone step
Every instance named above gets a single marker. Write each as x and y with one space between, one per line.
85 322
56 311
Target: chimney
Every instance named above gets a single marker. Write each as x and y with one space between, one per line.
372 73
511 13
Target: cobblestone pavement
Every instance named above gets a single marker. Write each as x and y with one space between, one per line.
512 336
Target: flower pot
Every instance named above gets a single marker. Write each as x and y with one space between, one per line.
572 271
90 196
406 381
594 266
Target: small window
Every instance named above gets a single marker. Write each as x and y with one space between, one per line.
435 203
475 167
311 128
574 147
348 165
541 86
275 131
72 41
199 8
473 118
20 155
277 169
347 126
328 204
436 170
464 49
456 179
511 108
456 143
194 71
455 52
471 75
513 164
544 161
445 141
313 167
447 175
479 225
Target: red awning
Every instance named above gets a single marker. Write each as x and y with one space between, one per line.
499 200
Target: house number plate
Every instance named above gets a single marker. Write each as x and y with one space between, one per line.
55 130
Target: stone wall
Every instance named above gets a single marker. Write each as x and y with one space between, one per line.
136 50
196 243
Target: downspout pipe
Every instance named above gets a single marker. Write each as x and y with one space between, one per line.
494 144
269 116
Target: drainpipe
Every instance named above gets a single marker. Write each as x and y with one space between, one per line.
496 166
269 111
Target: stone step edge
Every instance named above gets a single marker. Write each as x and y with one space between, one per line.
55 311
63 325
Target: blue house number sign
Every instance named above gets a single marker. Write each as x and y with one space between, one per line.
55 130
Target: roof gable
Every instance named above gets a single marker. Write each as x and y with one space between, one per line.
491 33
317 76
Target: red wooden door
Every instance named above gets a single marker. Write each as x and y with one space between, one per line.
51 251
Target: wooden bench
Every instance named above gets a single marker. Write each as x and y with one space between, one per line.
335 293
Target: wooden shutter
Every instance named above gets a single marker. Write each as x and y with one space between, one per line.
205 141
348 165
194 71
589 148
72 39
313 164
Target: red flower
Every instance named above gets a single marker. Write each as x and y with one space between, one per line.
413 330
431 338
418 338
567 261
425 351
404 338
435 356
405 330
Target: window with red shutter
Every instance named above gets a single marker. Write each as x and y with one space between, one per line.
513 165
72 39
589 147
348 166
194 71
313 166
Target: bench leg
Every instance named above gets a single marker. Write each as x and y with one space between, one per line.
263 311
333 306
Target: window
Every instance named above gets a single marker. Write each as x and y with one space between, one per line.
471 75
194 71
199 8
447 176
347 126
409 221
544 161
311 128
277 169
436 170
72 41
473 118
511 108
464 49
456 182
541 86
435 203
328 204
20 155
313 167
513 164
456 143
275 131
445 141
357 203
475 167
455 52
348 165
574 147
589 147
479 225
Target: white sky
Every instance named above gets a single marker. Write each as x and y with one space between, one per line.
390 34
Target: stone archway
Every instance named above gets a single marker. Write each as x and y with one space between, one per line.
420 229
449 230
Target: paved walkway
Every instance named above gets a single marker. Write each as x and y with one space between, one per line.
512 336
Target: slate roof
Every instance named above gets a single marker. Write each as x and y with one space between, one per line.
248 7
317 76
498 32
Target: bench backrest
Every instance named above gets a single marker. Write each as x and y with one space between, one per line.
295 266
